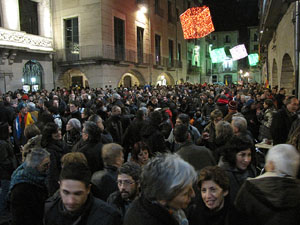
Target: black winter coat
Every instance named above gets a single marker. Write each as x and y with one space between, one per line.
198 156
56 149
92 152
94 212
27 204
106 181
269 201
8 161
143 212
281 125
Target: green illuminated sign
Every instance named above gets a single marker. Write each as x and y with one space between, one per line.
218 55
253 59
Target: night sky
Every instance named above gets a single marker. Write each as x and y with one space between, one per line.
233 14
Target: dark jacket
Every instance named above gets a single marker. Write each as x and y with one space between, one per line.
237 178
199 214
106 181
92 152
269 201
94 212
8 161
27 204
117 202
117 126
56 149
144 212
198 156
281 125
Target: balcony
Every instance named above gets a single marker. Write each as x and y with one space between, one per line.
101 53
169 63
193 69
271 13
24 41
178 64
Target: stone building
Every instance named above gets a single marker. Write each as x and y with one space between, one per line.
255 71
26 45
227 70
108 43
277 43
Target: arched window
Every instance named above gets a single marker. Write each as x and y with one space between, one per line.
32 75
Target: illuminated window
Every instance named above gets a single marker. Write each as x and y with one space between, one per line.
71 38
157 50
227 64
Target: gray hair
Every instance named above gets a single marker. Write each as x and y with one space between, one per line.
110 152
165 176
36 157
240 123
224 128
285 158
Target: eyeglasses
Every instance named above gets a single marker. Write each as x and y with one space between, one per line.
125 182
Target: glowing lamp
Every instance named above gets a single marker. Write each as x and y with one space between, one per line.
238 52
196 22
253 59
218 55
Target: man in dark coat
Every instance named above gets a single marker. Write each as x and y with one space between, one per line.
198 156
128 183
116 124
75 204
274 197
106 180
28 191
283 119
90 145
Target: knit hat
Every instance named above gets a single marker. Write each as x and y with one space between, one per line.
222 100
25 97
75 123
31 107
249 102
21 105
232 105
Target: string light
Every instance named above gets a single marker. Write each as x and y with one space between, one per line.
196 22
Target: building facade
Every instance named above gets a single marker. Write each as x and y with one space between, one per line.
227 71
110 43
277 43
254 71
26 45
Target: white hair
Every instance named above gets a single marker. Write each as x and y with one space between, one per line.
285 158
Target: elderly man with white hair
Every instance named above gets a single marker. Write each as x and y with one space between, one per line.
274 197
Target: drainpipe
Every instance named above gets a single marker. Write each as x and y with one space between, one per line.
297 49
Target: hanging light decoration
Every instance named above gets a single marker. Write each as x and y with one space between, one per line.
253 59
218 55
238 52
196 22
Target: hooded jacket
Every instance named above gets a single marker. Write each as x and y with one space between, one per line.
269 200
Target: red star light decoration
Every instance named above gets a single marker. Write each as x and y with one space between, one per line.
196 22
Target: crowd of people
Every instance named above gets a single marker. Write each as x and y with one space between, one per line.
150 155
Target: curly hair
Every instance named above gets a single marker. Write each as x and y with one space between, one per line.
215 174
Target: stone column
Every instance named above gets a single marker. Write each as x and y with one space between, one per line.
11 15
44 18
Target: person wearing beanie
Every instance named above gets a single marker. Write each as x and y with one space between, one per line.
222 104
33 111
22 120
232 109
